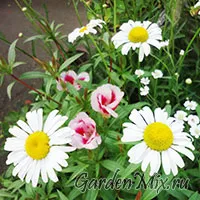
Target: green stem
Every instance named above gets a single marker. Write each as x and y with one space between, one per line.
77 13
181 59
115 15
32 88
98 49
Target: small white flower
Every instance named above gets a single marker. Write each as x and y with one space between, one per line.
190 105
168 101
157 74
144 91
85 30
188 81
181 115
177 75
145 81
195 131
139 72
193 120
181 52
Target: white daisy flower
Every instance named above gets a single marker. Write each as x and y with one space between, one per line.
190 105
144 90
38 149
145 81
181 115
85 30
139 72
157 74
193 120
161 139
138 35
195 131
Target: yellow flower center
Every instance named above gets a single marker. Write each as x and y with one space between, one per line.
138 34
84 28
158 136
37 145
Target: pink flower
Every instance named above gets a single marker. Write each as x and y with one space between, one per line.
85 135
72 78
105 99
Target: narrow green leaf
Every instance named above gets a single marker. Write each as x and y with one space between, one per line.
17 64
69 61
3 193
195 196
129 170
11 53
61 195
111 165
9 89
35 37
92 194
34 74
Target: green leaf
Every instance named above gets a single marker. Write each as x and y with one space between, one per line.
61 196
92 194
74 193
111 165
35 37
34 74
195 196
129 170
69 61
17 64
198 110
3 193
11 53
9 89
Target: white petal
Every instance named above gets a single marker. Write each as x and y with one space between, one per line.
184 151
40 119
147 115
160 115
146 159
176 158
17 132
131 135
136 152
32 120
50 120
136 118
51 174
36 174
166 162
126 47
141 54
146 48
155 162
31 171
43 170
24 126
57 125
15 157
